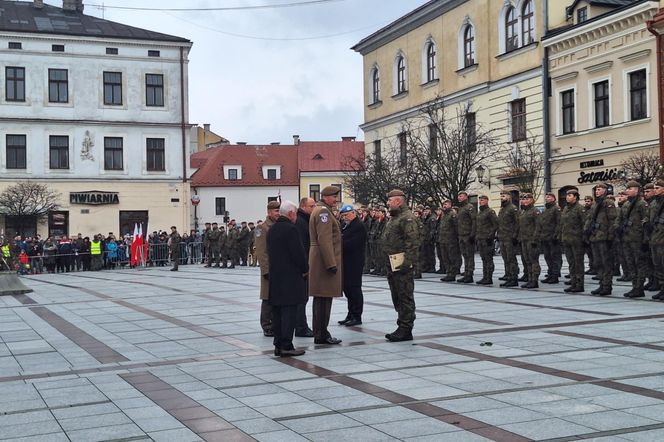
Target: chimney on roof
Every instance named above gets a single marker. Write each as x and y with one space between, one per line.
296 139
206 127
38 4
347 138
241 143
275 143
72 5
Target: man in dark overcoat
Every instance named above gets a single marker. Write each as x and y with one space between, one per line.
288 270
354 237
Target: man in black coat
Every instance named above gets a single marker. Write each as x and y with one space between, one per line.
287 278
303 214
354 236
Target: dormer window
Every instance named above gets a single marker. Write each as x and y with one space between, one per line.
582 14
318 157
233 173
271 173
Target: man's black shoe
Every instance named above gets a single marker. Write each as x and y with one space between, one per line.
293 352
510 283
635 294
595 278
353 322
330 340
591 272
659 296
484 281
399 335
568 276
605 292
344 321
465 279
503 278
597 291
277 351
174 270
530 285
568 282
627 294
654 287
448 279
268 333
551 280
568 290
308 333
524 278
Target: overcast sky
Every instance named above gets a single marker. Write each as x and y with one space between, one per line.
277 80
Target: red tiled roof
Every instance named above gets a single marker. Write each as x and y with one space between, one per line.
252 158
328 156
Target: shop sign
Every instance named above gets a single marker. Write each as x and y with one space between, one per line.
602 175
592 163
94 197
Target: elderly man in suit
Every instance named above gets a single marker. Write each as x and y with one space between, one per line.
354 236
288 270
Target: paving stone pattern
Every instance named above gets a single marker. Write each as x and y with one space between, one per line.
133 355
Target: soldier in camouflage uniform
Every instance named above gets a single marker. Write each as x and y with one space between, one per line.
174 246
448 238
529 235
439 251
656 236
550 239
401 236
651 285
243 244
508 219
599 231
428 241
587 204
571 235
232 244
206 244
466 228
618 245
214 245
417 266
486 227
631 230
253 261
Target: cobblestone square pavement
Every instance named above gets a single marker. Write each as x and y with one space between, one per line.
158 355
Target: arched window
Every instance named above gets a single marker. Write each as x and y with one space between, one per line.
375 85
401 74
511 30
468 46
527 23
431 61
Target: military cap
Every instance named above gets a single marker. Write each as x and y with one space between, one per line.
420 207
463 191
573 192
551 194
447 201
505 192
427 208
588 197
484 197
273 205
659 183
633 183
649 186
396 192
330 190
526 195
611 197
603 185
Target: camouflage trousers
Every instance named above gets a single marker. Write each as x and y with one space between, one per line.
636 257
657 252
402 287
603 261
574 254
508 252
553 257
486 250
530 253
451 258
467 248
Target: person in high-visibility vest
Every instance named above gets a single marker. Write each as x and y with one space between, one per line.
96 254
6 256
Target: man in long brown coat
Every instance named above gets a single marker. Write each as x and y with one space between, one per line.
324 263
263 262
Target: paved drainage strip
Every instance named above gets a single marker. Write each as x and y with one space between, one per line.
198 418
94 347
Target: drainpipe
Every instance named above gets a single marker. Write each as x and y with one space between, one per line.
183 122
546 93
660 86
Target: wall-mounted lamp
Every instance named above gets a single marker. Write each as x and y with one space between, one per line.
480 176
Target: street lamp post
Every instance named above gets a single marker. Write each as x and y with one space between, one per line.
195 201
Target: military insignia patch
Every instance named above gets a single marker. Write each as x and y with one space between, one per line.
324 218
258 233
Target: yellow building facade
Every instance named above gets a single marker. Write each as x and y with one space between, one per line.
486 56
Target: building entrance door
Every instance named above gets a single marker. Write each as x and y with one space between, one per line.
58 223
129 218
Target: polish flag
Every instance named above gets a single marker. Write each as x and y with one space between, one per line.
135 257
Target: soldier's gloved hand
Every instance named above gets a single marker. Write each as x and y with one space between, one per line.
645 247
333 270
266 276
403 270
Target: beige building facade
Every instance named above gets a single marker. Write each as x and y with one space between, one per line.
603 107
480 55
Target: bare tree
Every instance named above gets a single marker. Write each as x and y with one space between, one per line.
643 167
447 147
524 164
26 200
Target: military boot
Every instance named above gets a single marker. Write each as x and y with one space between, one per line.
510 283
597 291
636 293
524 278
484 281
652 286
448 278
531 285
399 335
659 296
